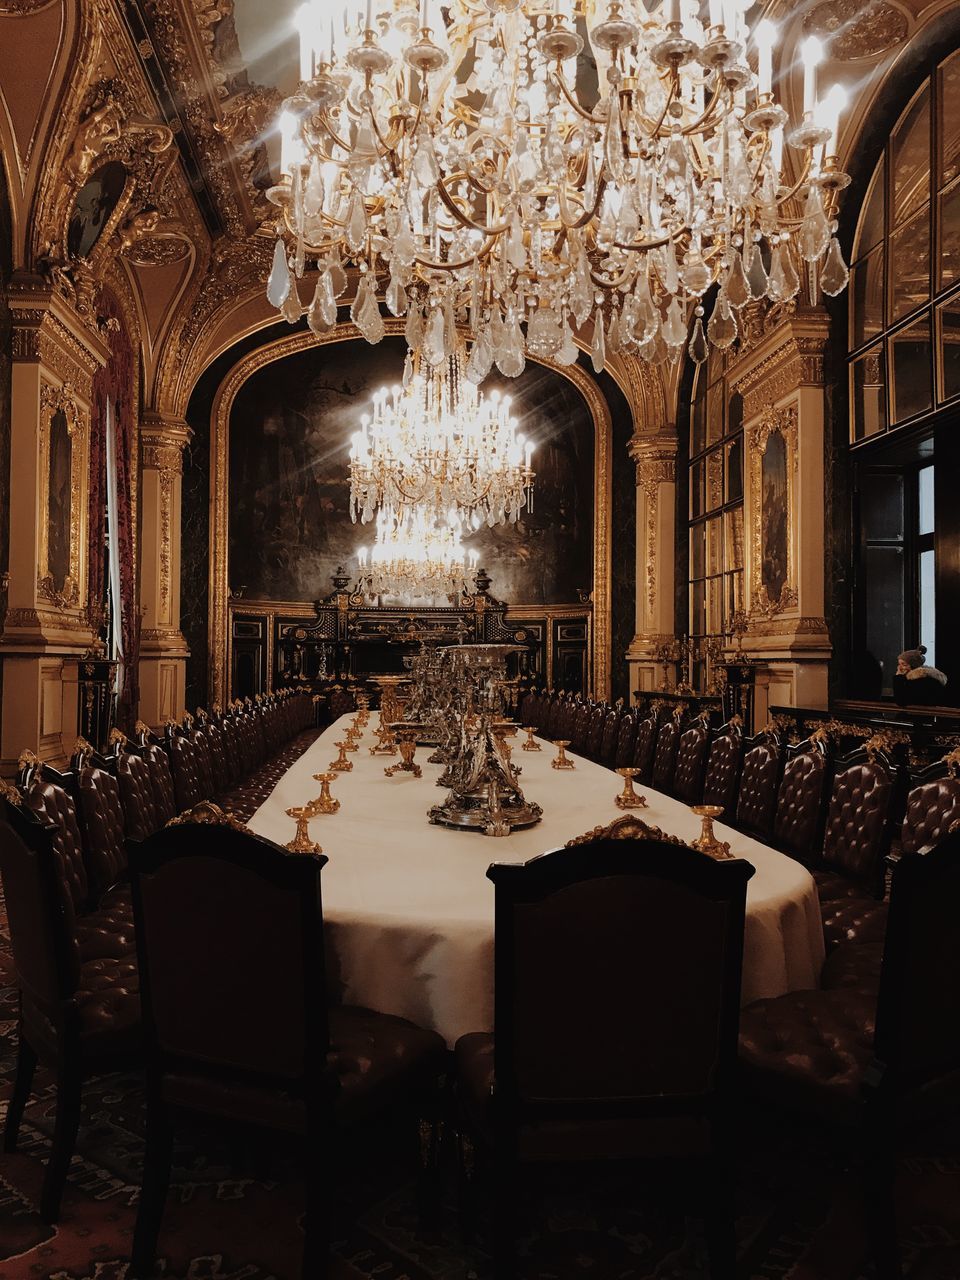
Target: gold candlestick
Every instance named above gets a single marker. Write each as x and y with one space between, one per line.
407 739
628 798
707 842
341 764
530 744
386 744
324 803
561 761
350 738
301 842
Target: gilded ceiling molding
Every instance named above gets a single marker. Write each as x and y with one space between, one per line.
219 589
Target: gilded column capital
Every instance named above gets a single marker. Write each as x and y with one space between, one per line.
656 459
164 440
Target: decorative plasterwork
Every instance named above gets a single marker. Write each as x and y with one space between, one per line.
782 421
42 335
857 28
796 362
55 400
219 592
163 444
656 460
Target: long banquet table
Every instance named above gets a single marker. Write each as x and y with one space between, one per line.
408 909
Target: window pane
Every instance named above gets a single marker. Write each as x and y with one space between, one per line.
714 606
911 159
697 558
949 256
925 490
715 545
715 413
735 470
910 356
928 605
870 231
698 414
950 348
910 266
881 506
734 597
950 118
734 413
697 599
696 490
714 480
867 298
884 596
869 395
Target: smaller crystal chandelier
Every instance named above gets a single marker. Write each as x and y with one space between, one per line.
415 557
437 444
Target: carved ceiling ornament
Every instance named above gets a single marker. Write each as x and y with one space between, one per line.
773 511
857 28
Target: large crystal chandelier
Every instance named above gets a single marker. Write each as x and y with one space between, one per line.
436 443
415 557
470 164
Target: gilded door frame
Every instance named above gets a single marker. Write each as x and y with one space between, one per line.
294 343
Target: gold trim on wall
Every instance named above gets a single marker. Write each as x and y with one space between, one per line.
53 400
781 421
218 629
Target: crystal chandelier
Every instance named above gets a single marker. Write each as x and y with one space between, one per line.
415 557
469 163
437 444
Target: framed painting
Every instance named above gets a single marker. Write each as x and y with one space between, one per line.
773 466
63 462
94 208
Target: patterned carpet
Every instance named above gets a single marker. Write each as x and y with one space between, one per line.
797 1215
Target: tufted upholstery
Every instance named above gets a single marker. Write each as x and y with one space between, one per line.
758 787
161 780
108 1003
341 701
932 808
853 920
626 734
609 738
140 814
183 766
665 756
691 762
53 804
723 769
102 826
596 724
201 751
800 801
809 1049
645 743
853 966
218 759
232 750
857 834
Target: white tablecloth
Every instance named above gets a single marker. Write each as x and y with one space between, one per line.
408 909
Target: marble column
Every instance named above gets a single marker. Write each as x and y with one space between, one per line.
163 650
46 624
656 461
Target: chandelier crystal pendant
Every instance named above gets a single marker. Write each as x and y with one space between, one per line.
436 444
415 557
477 171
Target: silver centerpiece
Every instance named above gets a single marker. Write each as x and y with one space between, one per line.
484 784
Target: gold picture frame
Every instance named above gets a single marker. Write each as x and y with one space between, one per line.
772 443
60 582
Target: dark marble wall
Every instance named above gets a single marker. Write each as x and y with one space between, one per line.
6 365
290 525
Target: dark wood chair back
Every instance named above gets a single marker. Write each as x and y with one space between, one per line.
617 979
227 924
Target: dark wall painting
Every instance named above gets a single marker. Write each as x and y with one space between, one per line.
96 201
289 515
59 501
774 515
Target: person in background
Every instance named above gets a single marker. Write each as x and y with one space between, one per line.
915 684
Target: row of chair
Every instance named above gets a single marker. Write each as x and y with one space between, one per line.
64 857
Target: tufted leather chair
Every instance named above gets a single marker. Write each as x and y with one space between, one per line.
724 762
626 736
762 761
309 1070
665 756
232 748
204 764
691 762
610 737
800 797
858 1059
46 794
161 779
79 1016
580 727
102 824
596 721
644 745
570 1073
933 805
551 712
140 814
218 758
183 766
342 701
857 835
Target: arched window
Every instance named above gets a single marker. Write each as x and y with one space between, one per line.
715 516
904 372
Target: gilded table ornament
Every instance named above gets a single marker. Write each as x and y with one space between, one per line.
407 740
707 842
301 842
324 803
531 744
341 764
562 760
628 798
